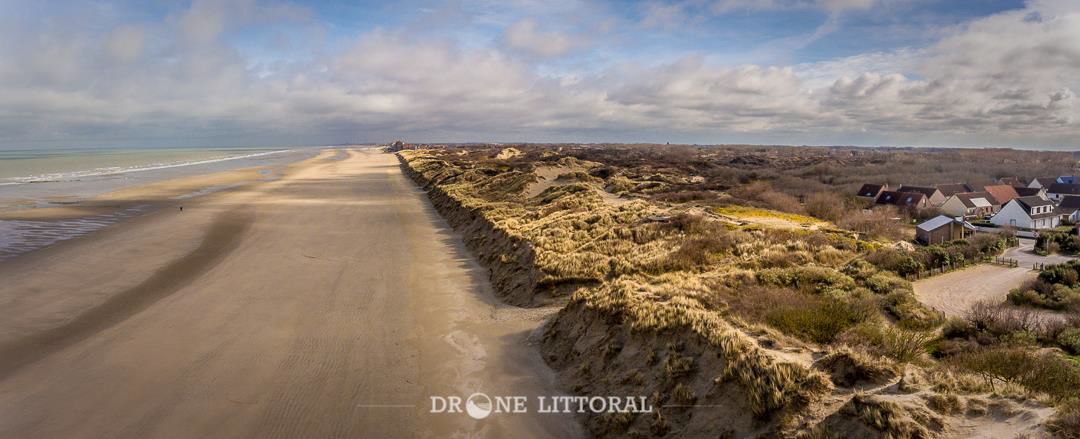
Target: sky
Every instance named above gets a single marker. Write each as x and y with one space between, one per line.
975 73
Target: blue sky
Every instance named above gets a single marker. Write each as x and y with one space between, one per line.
254 72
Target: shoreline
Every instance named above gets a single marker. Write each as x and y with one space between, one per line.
339 304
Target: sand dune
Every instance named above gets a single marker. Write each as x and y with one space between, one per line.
330 303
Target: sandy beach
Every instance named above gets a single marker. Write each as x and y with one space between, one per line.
332 302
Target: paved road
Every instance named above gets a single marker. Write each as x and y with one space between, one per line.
331 303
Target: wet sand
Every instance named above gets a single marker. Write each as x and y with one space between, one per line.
333 302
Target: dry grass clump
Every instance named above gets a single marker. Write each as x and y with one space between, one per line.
848 367
866 416
902 345
769 385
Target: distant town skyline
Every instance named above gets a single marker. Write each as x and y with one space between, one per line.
817 72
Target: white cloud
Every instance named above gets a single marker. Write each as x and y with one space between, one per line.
1006 78
526 36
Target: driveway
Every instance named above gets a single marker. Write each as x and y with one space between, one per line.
955 292
1025 255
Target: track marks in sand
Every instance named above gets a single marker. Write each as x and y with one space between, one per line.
221 237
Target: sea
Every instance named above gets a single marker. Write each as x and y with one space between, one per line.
35 178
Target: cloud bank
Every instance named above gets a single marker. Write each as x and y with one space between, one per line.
91 75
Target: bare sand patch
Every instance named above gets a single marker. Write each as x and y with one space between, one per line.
955 292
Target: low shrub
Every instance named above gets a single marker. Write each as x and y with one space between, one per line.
818 320
909 312
900 344
1045 372
1069 339
1065 423
810 279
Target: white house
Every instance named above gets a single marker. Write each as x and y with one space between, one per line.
1027 213
968 204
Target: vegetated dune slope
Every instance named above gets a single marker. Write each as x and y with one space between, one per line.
735 322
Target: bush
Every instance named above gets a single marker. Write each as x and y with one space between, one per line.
1065 423
810 279
1069 339
1058 287
825 205
1046 372
899 344
816 319
896 261
909 312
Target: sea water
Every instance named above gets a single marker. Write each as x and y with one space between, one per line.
32 178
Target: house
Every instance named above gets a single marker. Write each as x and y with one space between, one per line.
871 191
1069 208
1003 193
902 199
969 205
941 229
932 194
949 190
1067 179
1027 213
1058 190
1011 181
1042 182
1032 192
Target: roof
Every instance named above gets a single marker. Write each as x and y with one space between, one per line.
900 198
1027 203
976 199
870 190
1046 181
1002 192
951 189
1070 202
1064 188
928 191
1028 191
934 223
1067 179
1011 181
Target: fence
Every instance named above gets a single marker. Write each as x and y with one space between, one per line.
1008 262
950 267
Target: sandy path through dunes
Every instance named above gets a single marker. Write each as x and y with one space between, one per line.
330 303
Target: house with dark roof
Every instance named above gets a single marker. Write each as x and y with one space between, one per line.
969 205
1027 213
1031 192
1069 208
1042 182
942 229
902 199
1067 179
871 191
1003 193
1057 191
933 196
951 189
1011 181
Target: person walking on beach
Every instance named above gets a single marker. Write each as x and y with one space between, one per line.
181 208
